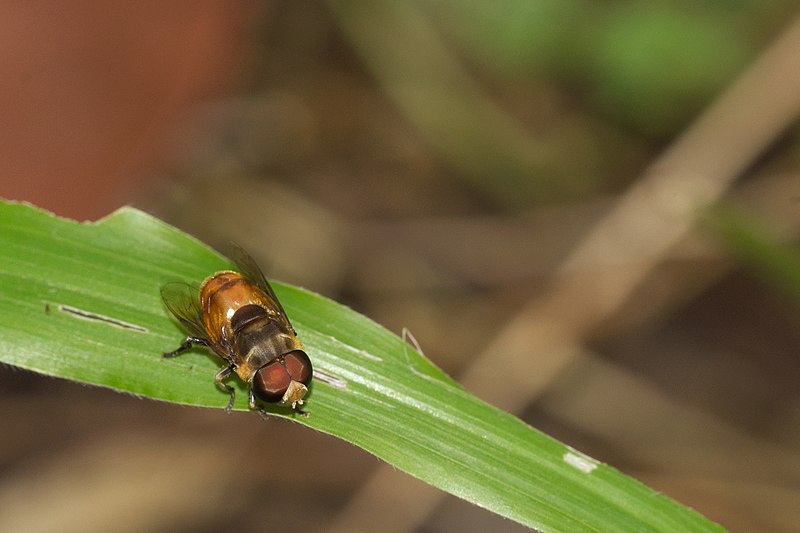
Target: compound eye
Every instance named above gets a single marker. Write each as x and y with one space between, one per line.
299 366
271 381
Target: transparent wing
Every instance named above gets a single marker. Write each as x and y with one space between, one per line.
183 302
250 270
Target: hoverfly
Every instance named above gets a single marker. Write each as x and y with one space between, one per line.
238 316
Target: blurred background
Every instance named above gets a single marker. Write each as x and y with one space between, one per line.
585 212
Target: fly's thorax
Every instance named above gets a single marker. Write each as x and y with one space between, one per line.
258 339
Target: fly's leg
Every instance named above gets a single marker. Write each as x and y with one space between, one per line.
218 377
265 415
251 400
185 346
221 375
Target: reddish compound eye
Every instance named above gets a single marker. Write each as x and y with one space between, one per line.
299 366
273 379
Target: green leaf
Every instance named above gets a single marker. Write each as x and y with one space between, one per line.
81 302
760 249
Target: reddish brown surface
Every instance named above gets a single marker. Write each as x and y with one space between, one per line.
91 91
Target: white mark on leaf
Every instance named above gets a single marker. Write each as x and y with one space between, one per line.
87 315
362 353
333 381
581 462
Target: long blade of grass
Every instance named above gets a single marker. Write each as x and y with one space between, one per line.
81 302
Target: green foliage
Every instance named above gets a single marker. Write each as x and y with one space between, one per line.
657 66
759 249
524 39
81 302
